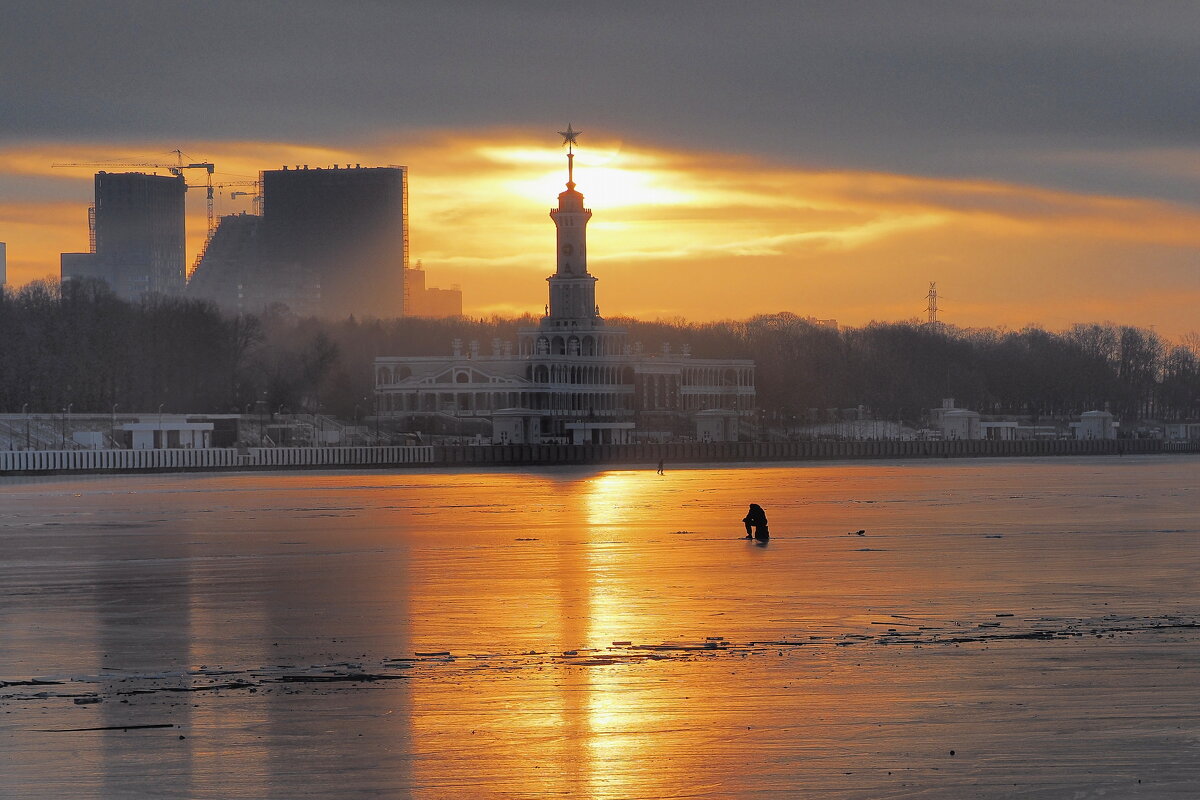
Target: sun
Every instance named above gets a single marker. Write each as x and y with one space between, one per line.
607 177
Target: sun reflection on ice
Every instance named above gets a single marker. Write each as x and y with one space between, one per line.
615 717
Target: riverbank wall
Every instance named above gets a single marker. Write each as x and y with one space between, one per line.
41 462
756 452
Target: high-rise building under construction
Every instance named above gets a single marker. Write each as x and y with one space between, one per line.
347 228
137 235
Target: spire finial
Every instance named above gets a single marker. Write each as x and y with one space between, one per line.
569 138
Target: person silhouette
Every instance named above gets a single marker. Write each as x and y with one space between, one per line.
660 466
756 523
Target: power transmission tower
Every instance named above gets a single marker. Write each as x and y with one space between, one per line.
931 308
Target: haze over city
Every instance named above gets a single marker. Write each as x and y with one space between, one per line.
1038 161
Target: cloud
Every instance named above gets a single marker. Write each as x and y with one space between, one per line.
923 87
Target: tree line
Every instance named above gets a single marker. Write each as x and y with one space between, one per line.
78 345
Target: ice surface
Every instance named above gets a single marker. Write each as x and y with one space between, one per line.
574 633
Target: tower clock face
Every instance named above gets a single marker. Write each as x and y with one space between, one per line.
567 249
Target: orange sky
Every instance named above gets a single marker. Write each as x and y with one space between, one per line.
703 235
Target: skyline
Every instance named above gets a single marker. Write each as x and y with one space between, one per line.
1040 164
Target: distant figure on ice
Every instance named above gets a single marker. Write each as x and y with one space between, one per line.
756 523
660 466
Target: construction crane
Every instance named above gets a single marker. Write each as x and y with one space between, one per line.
175 169
255 196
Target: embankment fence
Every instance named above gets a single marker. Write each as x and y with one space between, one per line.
732 452
35 461
68 461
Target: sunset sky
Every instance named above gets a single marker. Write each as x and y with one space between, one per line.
1040 161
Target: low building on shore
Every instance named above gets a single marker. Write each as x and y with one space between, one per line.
956 423
1183 431
1095 425
167 434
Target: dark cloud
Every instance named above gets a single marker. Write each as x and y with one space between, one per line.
946 88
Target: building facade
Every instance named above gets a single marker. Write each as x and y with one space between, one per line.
330 241
426 301
573 378
137 235
347 228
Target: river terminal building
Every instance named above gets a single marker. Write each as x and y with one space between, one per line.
573 379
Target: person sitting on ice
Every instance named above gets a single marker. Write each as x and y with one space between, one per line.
756 523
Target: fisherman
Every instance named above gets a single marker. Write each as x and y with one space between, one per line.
756 523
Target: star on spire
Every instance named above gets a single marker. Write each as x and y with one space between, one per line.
569 137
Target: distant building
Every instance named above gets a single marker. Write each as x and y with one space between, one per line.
167 434
347 227
330 242
230 273
957 423
572 379
423 301
1002 431
237 275
1183 431
137 233
81 266
1095 425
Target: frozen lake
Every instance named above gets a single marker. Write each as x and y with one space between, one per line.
1003 628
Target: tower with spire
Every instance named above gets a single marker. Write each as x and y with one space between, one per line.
573 378
572 288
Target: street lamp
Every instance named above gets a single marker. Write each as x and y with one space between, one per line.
66 412
112 431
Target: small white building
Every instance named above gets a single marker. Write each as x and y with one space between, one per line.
1095 425
168 435
956 423
1183 431
1004 431
590 432
960 423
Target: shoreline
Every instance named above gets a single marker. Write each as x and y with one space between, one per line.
116 462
